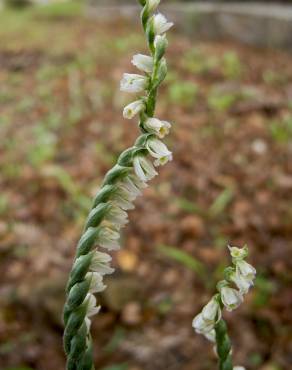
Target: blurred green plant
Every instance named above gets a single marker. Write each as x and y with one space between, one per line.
183 258
184 93
231 65
195 61
221 202
118 336
44 146
265 288
281 130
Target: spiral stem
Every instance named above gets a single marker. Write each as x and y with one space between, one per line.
223 346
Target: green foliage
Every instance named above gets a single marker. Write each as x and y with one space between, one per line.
115 340
220 101
221 202
281 130
43 148
17 4
183 258
195 61
272 77
231 65
183 93
189 206
265 288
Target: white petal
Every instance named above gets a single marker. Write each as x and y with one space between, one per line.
238 253
241 282
132 109
143 62
92 309
212 312
200 325
143 168
133 83
160 24
246 269
231 298
100 263
152 5
96 282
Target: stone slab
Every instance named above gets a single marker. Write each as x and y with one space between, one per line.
258 24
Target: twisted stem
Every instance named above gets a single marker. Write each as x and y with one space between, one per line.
223 346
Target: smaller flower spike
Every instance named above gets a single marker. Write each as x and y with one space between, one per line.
209 322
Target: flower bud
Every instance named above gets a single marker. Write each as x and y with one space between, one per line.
157 127
133 83
160 24
160 44
152 5
143 62
132 109
231 298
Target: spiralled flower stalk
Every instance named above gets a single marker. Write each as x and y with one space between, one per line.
210 322
121 186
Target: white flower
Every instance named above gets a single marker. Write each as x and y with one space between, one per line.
108 238
133 108
211 335
245 269
160 40
239 368
160 128
238 253
127 186
133 83
144 168
87 323
242 283
201 326
159 151
152 5
96 283
143 62
117 216
160 24
122 203
91 308
231 298
100 263
124 198
212 312
137 182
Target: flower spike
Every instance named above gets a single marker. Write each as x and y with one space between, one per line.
209 322
121 186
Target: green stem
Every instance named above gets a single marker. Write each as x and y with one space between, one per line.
223 346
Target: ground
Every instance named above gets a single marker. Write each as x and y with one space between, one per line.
230 182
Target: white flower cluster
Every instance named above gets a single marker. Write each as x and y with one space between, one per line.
136 83
242 275
130 186
108 238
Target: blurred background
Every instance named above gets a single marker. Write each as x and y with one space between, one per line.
229 96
